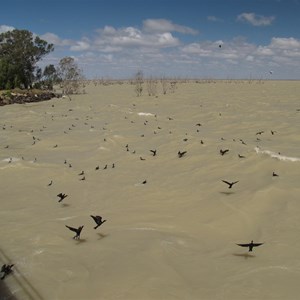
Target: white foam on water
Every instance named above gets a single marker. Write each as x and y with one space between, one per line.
11 159
145 114
143 228
117 136
65 218
103 148
37 252
276 155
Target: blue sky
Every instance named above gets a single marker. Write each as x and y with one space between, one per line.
116 38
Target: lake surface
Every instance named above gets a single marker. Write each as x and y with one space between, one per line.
174 236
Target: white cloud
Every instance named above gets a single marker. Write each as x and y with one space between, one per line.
80 46
132 37
5 28
264 51
285 43
163 25
255 20
54 39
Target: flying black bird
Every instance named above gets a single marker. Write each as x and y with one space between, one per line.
180 154
250 245
141 158
230 184
98 220
83 178
144 182
241 156
274 174
77 230
222 152
259 132
153 152
50 183
6 270
61 196
272 132
97 168
82 173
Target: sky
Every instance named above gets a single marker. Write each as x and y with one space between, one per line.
221 39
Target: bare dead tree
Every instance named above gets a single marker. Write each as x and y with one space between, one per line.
138 82
152 86
72 79
164 84
173 86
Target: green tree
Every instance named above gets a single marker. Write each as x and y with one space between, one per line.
50 77
19 54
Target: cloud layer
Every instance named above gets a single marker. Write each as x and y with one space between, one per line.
161 47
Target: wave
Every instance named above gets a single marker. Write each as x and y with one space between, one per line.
276 155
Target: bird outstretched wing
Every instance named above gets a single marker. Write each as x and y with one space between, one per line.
244 245
250 244
229 183
72 228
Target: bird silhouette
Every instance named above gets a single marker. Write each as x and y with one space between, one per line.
50 183
76 230
82 173
98 220
61 196
275 175
222 152
230 184
259 132
153 152
180 154
250 245
6 270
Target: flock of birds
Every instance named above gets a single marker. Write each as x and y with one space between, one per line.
7 269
